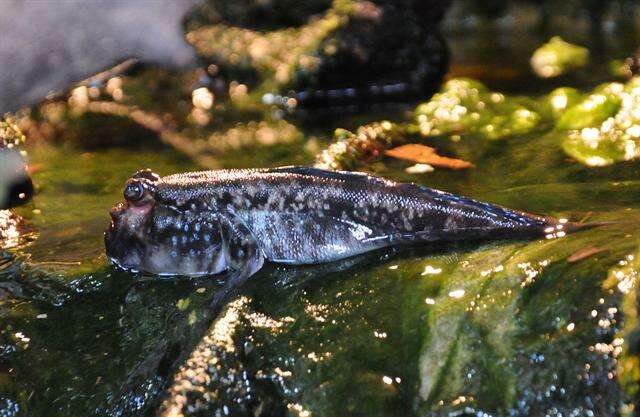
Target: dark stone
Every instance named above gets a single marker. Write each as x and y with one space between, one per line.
356 51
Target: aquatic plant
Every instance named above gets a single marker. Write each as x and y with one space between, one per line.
557 57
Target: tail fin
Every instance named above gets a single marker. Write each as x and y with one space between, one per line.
558 228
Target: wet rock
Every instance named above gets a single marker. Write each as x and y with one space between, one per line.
465 106
488 348
623 279
367 144
219 376
604 128
269 14
356 50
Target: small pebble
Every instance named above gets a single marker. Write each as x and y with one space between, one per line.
419 169
41 316
201 290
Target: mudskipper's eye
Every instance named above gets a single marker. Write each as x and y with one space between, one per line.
134 191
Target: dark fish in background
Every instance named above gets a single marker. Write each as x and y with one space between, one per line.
47 46
15 184
16 187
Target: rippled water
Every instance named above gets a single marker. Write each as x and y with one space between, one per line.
502 328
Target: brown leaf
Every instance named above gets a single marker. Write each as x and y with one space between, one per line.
585 253
34 168
426 155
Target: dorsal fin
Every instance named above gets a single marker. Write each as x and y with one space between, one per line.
332 175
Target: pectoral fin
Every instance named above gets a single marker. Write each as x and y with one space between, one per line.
242 254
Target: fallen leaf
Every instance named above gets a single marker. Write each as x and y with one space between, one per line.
584 253
426 155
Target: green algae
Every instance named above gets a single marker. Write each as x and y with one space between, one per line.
279 56
562 98
598 128
462 108
592 111
465 106
623 279
610 132
558 57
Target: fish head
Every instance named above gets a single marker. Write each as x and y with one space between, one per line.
148 234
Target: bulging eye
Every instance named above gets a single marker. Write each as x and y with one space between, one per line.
139 191
134 191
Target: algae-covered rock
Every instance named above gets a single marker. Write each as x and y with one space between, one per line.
605 127
465 106
592 111
626 346
355 49
597 129
557 57
366 144
562 98
511 329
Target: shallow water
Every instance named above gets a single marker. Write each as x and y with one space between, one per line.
501 328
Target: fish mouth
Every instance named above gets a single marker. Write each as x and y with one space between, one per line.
111 233
122 245
116 262
123 251
186 248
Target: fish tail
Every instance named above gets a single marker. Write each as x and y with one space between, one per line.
556 227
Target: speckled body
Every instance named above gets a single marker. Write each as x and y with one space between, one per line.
293 215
